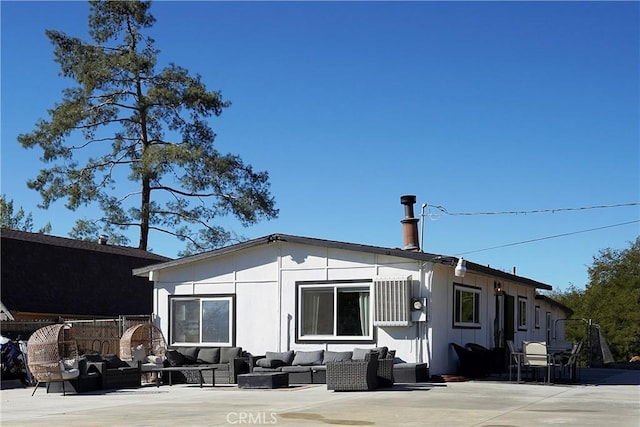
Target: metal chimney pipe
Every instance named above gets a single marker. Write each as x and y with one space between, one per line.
409 224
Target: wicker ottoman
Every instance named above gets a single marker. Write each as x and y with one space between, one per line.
410 372
263 380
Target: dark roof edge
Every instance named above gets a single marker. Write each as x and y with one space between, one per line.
418 256
51 240
556 303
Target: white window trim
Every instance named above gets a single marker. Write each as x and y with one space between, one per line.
335 286
523 326
200 299
477 293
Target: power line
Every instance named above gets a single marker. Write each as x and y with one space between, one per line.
446 212
550 237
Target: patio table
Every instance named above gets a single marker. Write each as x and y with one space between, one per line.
198 369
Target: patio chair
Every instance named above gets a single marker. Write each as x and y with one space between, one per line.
472 363
535 356
569 364
143 344
52 355
353 375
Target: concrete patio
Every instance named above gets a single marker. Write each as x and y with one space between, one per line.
604 397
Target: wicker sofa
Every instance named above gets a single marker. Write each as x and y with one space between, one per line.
310 367
114 373
228 361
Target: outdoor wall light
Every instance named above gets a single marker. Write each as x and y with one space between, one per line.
461 268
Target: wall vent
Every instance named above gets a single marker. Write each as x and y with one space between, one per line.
392 297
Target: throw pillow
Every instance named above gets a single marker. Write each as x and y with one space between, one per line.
336 356
269 363
114 361
286 357
138 353
93 357
227 354
190 354
307 358
382 352
154 359
209 355
360 353
175 358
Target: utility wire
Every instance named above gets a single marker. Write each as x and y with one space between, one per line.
446 212
550 237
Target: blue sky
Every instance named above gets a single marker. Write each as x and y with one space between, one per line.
476 107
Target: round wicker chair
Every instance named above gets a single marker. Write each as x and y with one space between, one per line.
52 355
145 334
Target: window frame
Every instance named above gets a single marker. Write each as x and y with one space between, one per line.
334 285
536 321
231 299
458 288
523 303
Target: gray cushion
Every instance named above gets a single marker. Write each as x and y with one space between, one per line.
227 354
269 363
296 368
286 356
360 353
209 355
336 356
261 369
306 358
190 353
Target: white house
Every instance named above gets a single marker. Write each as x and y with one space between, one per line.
282 292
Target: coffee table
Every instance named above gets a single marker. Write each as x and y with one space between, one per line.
263 380
198 369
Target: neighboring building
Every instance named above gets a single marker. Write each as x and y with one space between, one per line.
46 277
282 292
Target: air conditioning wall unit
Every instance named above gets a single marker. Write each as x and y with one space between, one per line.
392 296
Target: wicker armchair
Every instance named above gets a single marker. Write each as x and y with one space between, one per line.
353 375
385 371
52 355
145 334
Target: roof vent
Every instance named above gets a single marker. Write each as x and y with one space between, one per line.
102 239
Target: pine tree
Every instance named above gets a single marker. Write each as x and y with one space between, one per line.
126 121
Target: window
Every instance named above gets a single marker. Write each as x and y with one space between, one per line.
334 310
202 320
466 312
537 318
522 313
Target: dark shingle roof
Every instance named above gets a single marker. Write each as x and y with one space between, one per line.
48 274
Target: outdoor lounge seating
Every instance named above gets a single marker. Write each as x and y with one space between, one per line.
52 355
353 375
143 343
535 356
228 361
472 364
114 372
310 367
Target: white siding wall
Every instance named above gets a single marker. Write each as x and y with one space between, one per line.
263 279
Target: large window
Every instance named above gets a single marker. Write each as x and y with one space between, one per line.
522 313
334 311
202 320
466 311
